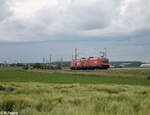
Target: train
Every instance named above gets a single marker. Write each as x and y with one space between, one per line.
90 63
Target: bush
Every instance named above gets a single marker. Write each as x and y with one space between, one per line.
37 66
25 67
11 105
8 105
2 88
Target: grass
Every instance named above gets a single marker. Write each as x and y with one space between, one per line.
38 92
74 99
108 77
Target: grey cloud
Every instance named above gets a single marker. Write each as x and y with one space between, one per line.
79 19
4 10
79 24
137 15
87 17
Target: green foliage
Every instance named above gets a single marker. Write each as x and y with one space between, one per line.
13 104
2 88
37 66
8 105
64 64
45 106
25 67
46 66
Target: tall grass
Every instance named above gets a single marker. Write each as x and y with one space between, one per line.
74 99
75 92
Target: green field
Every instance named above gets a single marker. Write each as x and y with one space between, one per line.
64 92
97 77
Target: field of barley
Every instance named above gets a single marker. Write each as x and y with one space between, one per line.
110 92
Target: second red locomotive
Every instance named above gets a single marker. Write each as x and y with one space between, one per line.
90 63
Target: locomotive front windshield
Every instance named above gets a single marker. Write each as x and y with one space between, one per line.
105 61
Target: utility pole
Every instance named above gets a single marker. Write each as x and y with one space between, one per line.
43 60
72 56
50 58
105 50
76 55
61 62
5 63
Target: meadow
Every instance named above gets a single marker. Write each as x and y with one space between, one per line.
63 92
82 77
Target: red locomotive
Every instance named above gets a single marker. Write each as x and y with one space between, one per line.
90 63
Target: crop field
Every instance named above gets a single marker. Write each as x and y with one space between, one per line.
64 92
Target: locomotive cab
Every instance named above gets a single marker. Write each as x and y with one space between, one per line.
104 63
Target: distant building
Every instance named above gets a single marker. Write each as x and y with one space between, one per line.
111 66
145 65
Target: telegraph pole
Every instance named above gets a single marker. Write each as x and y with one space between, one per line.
76 55
43 60
50 58
105 50
72 56
61 61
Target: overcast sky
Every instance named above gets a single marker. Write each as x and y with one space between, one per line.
33 29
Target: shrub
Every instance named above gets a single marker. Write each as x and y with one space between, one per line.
2 88
37 66
25 67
